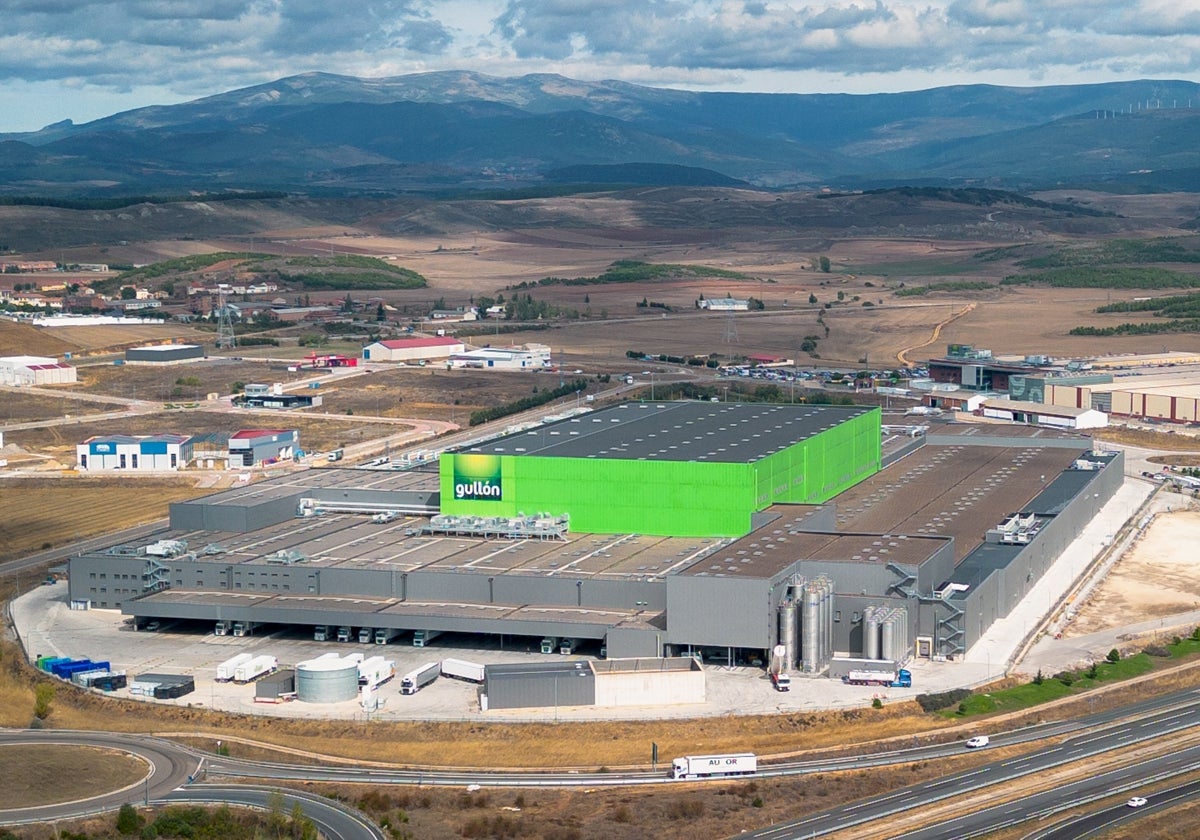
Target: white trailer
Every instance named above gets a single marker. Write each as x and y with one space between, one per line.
709 766
375 671
257 667
385 634
461 669
228 668
414 681
422 638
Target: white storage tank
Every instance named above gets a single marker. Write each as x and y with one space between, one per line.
327 679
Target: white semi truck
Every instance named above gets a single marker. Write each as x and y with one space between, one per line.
375 671
365 635
461 669
709 766
257 667
422 638
385 634
244 628
415 680
228 668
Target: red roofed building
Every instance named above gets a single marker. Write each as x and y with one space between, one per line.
413 349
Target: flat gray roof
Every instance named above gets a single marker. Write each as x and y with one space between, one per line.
686 430
325 477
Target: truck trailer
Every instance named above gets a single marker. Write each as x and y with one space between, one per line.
709 766
321 633
228 668
257 667
781 681
461 669
422 638
343 634
893 679
221 628
244 628
415 680
365 635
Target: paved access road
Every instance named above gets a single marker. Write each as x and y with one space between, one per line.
334 820
1097 822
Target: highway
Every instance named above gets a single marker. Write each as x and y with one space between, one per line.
1095 823
335 820
172 765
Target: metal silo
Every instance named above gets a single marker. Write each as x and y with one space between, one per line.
871 633
327 680
887 640
810 630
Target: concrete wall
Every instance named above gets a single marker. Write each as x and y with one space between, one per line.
656 688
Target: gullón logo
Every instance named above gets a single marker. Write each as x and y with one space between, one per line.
477 478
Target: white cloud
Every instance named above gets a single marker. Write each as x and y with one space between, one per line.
172 49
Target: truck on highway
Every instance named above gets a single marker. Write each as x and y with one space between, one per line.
228 668
321 633
549 644
365 635
257 667
422 638
709 766
244 628
385 634
415 680
336 455
343 634
461 669
901 678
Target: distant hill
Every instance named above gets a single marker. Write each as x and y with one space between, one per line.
323 134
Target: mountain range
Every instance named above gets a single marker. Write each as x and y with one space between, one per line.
456 132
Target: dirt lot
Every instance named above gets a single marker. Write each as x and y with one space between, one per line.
1159 576
21 406
163 382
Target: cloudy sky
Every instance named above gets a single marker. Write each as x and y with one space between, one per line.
84 59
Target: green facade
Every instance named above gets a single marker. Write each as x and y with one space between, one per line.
667 498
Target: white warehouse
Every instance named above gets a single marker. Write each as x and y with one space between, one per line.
134 453
528 357
1040 414
34 370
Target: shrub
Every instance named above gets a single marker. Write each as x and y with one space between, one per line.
1114 655
682 809
128 820
1157 650
942 700
622 814
43 696
1039 679
876 703
757 803
1065 677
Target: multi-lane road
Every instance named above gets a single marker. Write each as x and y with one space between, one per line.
173 767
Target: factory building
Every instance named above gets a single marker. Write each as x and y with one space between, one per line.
528 357
164 354
1040 414
807 536
129 452
413 349
35 370
255 447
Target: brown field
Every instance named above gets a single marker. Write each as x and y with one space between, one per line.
155 382
317 432
118 336
36 508
21 406
22 339
50 773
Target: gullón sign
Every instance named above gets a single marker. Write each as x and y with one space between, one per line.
477 478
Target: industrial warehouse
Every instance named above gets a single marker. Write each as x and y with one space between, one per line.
687 528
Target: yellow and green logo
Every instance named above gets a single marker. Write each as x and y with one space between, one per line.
477 478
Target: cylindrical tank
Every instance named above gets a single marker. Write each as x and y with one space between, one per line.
810 631
870 633
887 641
787 633
327 680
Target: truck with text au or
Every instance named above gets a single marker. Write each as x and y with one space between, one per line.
461 669
257 667
892 679
415 680
711 766
422 638
383 635
228 668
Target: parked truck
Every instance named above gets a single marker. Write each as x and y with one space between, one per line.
781 681
244 628
549 644
375 671
321 633
461 669
422 638
365 635
893 679
221 628
343 634
385 634
566 647
257 667
709 766
415 680
228 668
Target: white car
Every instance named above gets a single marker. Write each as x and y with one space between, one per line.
1136 802
977 741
